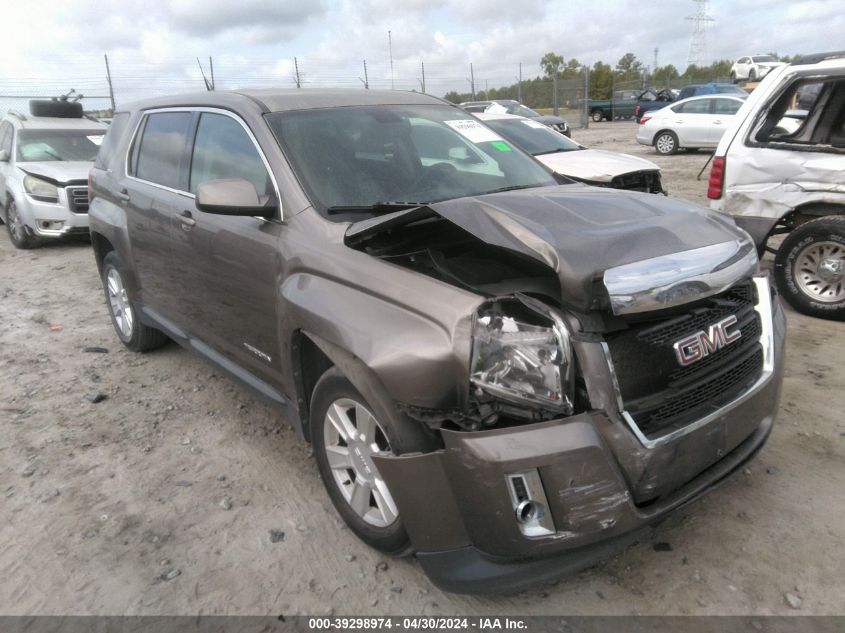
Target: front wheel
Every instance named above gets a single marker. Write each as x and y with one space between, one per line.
597 116
19 233
666 143
346 436
810 268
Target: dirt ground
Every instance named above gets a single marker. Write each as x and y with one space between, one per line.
160 499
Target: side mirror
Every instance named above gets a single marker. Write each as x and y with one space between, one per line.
232 196
4 156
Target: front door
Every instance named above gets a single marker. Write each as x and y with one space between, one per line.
225 266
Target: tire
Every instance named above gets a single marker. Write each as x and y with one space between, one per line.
810 268
60 109
733 78
597 116
375 522
752 76
666 143
19 233
131 332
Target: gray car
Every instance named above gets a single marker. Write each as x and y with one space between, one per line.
45 158
505 372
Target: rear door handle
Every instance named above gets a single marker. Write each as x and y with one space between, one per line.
187 220
123 196
718 122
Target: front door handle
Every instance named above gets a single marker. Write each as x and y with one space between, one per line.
123 196
187 220
718 122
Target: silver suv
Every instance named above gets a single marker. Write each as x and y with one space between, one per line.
44 163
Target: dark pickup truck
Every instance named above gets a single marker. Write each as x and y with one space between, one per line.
621 106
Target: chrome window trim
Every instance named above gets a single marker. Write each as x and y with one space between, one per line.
191 109
767 340
678 278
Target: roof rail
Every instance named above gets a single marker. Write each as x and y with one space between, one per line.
815 58
17 114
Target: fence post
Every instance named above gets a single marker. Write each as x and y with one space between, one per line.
108 77
585 115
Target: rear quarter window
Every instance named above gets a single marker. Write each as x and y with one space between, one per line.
113 137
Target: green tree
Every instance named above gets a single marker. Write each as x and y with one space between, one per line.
601 81
551 63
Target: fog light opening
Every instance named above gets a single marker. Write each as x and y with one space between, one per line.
529 510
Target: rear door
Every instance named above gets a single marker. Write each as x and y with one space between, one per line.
224 267
156 186
724 110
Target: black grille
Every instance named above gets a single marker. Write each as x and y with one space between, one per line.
657 391
647 181
77 198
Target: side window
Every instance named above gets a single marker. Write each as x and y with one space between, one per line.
726 106
223 149
806 114
111 141
6 137
162 146
699 106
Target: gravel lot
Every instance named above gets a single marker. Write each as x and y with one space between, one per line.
161 498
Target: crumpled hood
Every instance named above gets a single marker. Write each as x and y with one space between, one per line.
581 231
58 171
595 164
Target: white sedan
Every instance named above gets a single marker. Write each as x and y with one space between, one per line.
690 123
566 157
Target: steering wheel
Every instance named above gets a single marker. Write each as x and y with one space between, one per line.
431 175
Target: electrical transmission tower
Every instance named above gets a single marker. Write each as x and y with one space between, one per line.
698 39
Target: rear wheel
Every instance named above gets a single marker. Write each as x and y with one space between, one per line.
19 233
666 142
810 268
347 435
134 334
597 116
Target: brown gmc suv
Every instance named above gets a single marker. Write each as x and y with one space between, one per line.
507 373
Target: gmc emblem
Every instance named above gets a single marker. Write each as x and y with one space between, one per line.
696 346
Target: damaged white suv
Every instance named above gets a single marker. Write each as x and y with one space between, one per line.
780 169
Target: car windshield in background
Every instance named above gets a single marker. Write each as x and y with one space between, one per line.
535 138
726 89
370 157
763 58
522 110
59 145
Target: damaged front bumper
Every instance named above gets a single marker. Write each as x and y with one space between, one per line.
599 485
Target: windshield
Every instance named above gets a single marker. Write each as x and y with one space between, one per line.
535 138
763 58
522 110
366 156
730 90
58 145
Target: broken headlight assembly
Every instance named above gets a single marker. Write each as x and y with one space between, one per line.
523 356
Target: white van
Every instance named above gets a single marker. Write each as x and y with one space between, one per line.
780 169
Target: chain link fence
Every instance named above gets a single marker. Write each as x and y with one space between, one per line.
576 95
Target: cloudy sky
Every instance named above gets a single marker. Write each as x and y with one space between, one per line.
52 46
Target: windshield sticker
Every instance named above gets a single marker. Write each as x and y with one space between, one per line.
534 124
473 131
501 146
96 139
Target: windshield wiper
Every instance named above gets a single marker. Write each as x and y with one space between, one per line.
554 151
376 207
511 188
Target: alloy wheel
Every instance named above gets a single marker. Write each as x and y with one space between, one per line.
665 143
16 227
353 437
819 271
121 309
